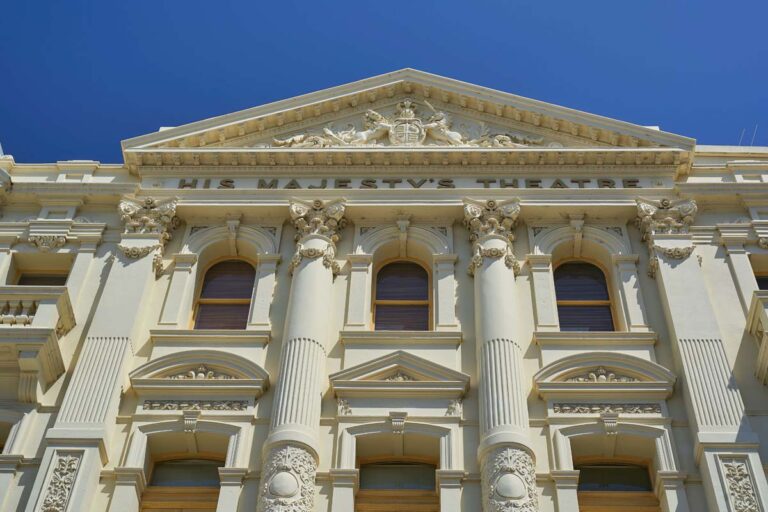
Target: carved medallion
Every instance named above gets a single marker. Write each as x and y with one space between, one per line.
288 481
509 481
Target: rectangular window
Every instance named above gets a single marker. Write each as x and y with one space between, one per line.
42 280
762 282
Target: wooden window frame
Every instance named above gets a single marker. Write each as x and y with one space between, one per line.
630 499
428 302
607 302
200 282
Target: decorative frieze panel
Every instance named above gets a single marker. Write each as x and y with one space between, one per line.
288 481
62 480
740 484
509 481
584 408
195 405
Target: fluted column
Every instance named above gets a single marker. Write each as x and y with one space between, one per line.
77 446
725 445
505 453
290 452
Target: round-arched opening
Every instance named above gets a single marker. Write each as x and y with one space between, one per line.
401 297
583 300
225 296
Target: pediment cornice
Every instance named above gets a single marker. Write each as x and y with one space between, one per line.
486 105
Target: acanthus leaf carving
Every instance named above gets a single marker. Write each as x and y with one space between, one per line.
149 216
288 481
62 481
509 481
741 489
676 253
319 218
329 257
138 251
202 372
399 376
601 374
405 128
665 216
491 219
45 243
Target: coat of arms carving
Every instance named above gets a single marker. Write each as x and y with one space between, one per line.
405 128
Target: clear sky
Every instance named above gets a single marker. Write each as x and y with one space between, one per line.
80 76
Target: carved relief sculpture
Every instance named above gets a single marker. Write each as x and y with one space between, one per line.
47 242
202 372
741 490
149 215
288 481
195 405
405 128
509 481
665 216
601 374
648 408
61 483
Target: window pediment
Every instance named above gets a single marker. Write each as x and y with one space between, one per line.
604 374
399 374
201 371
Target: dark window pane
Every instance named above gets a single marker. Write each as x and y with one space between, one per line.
186 473
585 318
229 280
397 476
42 280
762 282
614 478
580 281
402 281
402 318
222 316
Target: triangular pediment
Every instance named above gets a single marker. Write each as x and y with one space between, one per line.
406 109
399 374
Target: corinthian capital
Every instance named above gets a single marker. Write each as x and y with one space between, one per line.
664 216
149 216
484 218
318 217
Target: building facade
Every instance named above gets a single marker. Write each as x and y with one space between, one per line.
405 293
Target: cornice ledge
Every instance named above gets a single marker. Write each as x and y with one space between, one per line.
549 338
175 336
355 337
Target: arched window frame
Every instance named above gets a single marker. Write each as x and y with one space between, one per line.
609 285
609 245
431 245
430 293
257 244
199 289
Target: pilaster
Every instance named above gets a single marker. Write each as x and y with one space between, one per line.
505 453
733 237
291 451
715 406
79 438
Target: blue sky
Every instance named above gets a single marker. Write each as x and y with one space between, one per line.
79 76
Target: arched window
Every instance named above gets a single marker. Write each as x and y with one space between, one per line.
402 298
583 302
184 484
225 296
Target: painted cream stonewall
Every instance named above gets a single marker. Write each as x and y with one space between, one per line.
407 293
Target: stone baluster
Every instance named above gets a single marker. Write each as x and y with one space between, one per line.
505 453
77 445
291 451
725 445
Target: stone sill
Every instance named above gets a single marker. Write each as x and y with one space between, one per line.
258 338
594 338
446 338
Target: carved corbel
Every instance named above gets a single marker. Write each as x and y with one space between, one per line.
664 217
149 216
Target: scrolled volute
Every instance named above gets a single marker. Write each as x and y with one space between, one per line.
664 216
484 218
149 216
318 217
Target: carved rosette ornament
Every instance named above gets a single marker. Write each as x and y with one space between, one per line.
62 481
318 218
491 219
288 481
741 490
509 481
